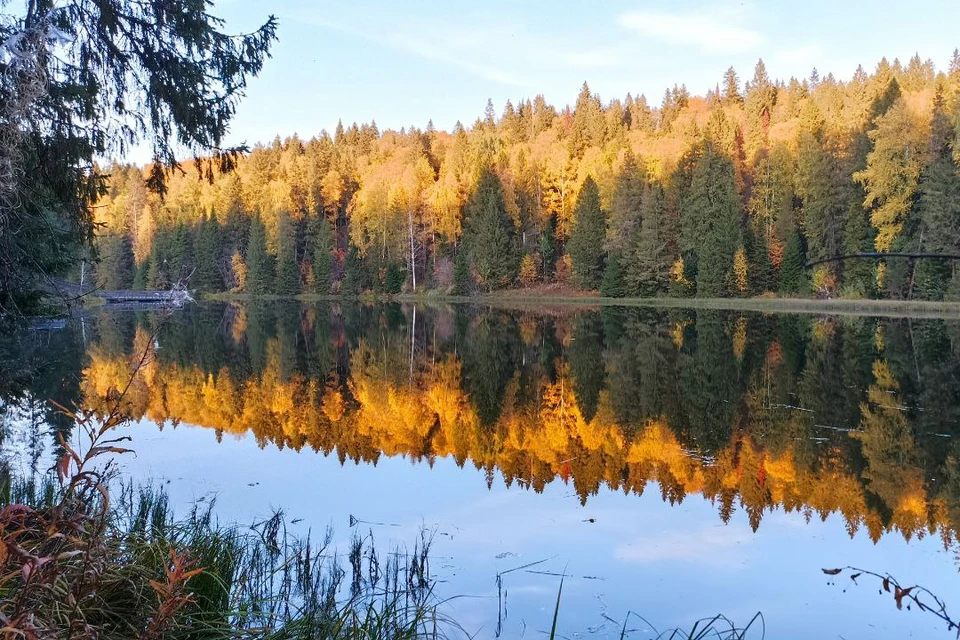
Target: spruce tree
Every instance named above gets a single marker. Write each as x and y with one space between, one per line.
939 202
548 247
461 274
624 219
259 262
713 213
614 284
792 276
181 254
586 237
115 268
649 263
353 274
83 79
207 252
288 269
489 233
321 236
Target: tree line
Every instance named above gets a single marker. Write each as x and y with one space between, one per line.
728 194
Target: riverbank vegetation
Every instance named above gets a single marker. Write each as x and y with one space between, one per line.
81 561
730 194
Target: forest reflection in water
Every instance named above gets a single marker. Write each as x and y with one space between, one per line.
852 415
661 453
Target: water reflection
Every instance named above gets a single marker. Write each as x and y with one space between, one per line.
855 416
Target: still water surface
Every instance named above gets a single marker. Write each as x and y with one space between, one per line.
676 464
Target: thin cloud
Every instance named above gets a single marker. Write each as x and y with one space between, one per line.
707 32
443 50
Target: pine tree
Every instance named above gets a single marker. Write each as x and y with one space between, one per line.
548 247
322 240
791 274
461 274
939 203
731 86
586 237
115 268
649 263
181 253
259 262
614 283
489 233
207 251
353 274
712 215
141 275
288 269
625 206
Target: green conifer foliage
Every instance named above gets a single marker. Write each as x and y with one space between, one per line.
792 276
259 262
115 269
649 261
288 268
354 274
548 247
207 250
586 237
614 284
322 239
489 233
713 216
461 274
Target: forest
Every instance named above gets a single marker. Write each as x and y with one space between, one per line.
740 192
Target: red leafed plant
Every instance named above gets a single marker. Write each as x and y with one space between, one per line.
63 566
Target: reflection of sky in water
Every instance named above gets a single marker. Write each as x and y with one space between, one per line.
671 564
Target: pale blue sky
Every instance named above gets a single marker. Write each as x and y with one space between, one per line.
404 63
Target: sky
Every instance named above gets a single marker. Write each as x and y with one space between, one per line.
404 63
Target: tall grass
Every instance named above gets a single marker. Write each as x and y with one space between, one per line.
83 557
135 571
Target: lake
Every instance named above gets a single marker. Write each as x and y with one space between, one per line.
672 463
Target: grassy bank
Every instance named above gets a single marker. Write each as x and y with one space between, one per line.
520 298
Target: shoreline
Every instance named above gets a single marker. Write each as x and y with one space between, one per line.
523 300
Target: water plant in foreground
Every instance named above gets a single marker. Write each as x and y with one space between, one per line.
83 556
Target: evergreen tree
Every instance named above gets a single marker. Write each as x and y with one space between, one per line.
141 275
939 203
461 274
321 237
649 264
207 252
712 215
158 274
586 237
259 262
761 269
115 268
731 86
181 254
353 274
489 233
83 79
288 269
394 279
614 283
624 220
791 274
548 247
